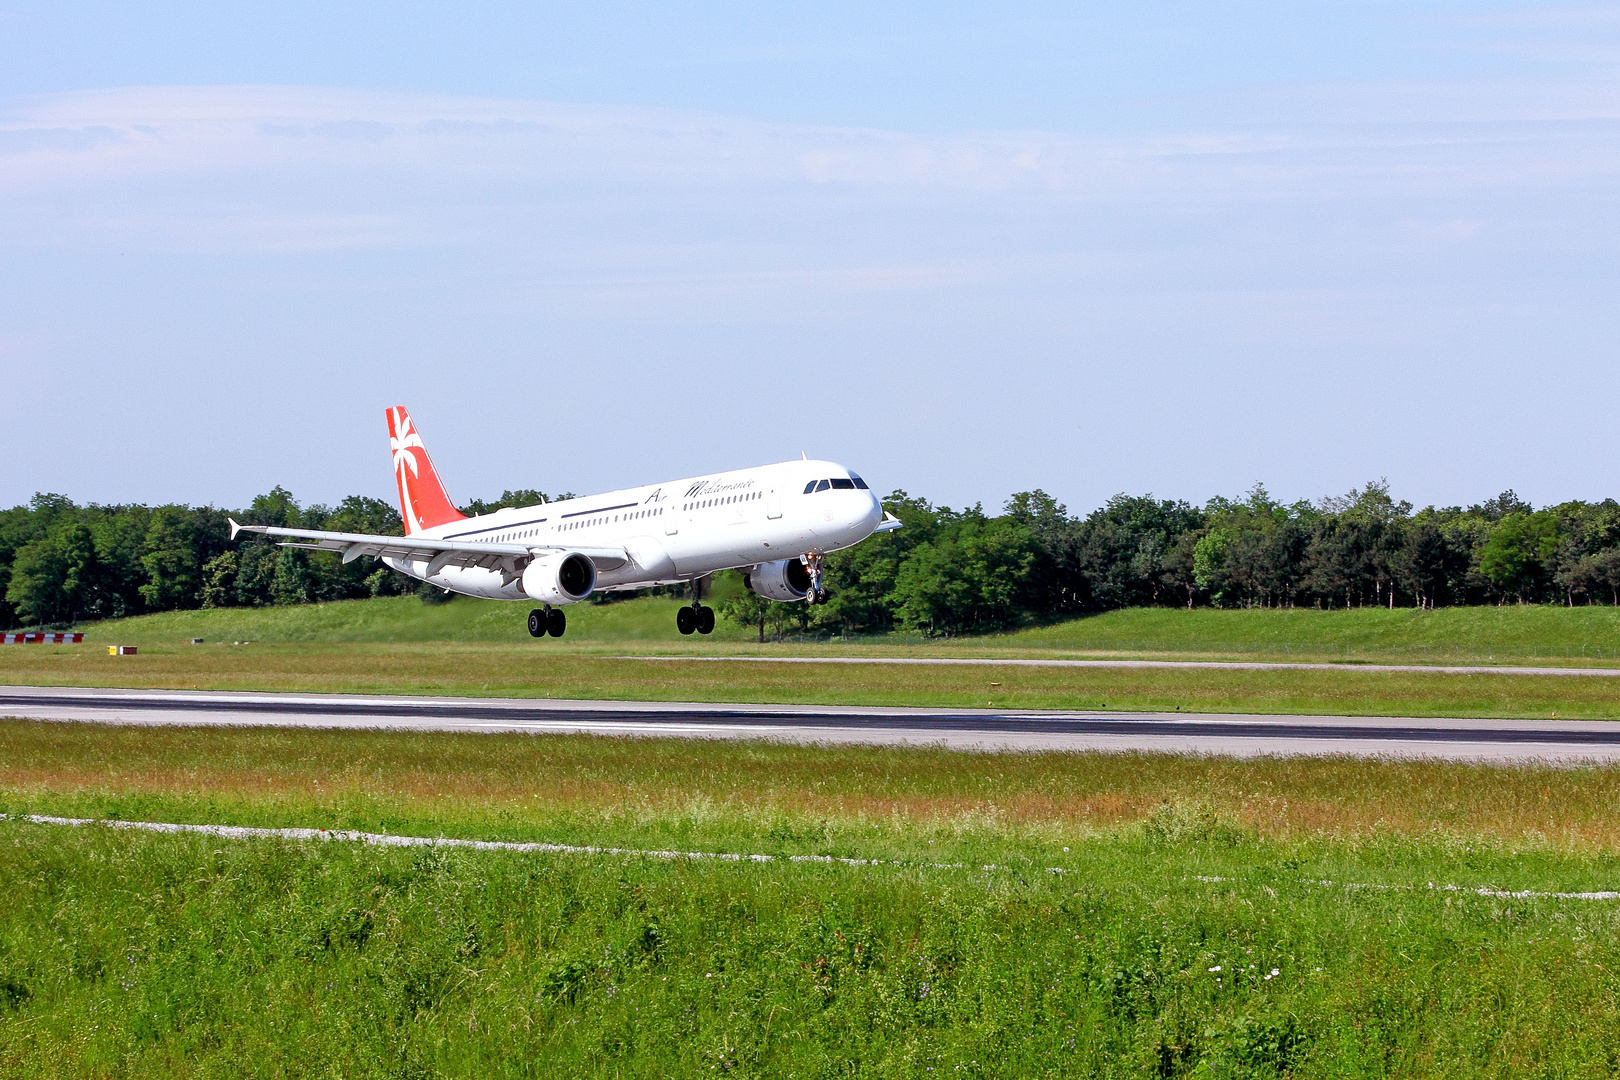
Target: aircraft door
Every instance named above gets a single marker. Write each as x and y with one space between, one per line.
672 521
773 503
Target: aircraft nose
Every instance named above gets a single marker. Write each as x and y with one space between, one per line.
869 513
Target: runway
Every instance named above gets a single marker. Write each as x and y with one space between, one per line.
1559 741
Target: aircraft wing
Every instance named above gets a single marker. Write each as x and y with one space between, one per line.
437 553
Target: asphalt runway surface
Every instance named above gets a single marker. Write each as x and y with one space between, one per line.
1557 741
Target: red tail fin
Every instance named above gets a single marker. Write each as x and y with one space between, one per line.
421 496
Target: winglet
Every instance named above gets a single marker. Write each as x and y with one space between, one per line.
235 528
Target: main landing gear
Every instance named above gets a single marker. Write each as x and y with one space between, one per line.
548 620
697 617
817 593
700 619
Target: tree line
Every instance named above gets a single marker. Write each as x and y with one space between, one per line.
953 572
61 563
946 572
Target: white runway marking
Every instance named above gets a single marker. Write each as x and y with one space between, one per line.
1504 894
244 832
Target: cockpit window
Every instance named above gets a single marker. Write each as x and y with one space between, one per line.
858 481
811 486
824 485
840 484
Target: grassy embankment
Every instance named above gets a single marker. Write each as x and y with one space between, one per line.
1514 633
134 955
481 648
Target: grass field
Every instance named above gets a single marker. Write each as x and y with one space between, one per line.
537 671
1516 632
480 648
1511 633
1201 924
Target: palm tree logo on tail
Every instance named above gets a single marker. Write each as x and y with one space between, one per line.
401 442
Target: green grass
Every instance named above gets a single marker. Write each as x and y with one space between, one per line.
538 670
481 648
133 955
1514 632
1509 632
401 619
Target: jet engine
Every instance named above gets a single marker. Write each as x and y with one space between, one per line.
559 577
785 579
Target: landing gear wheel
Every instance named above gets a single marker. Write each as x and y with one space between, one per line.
537 623
556 622
817 593
686 620
705 620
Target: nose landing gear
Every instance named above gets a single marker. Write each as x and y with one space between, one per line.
545 621
817 593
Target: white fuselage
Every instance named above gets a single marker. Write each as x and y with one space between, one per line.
675 531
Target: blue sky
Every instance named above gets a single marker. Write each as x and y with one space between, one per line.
968 250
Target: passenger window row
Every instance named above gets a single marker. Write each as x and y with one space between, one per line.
704 503
603 520
568 526
837 483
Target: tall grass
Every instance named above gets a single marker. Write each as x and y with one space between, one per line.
132 956
1145 915
892 802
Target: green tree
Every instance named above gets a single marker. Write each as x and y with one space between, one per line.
1210 556
219 580
860 580
22 525
58 578
333 579
1518 551
172 564
1121 554
294 582
975 575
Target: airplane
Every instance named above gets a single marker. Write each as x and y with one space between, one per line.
776 523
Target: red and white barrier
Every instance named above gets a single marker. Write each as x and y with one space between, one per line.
41 639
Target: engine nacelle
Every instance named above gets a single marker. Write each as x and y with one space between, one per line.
785 579
559 578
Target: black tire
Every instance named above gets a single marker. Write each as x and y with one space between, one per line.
537 623
686 620
705 620
556 622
